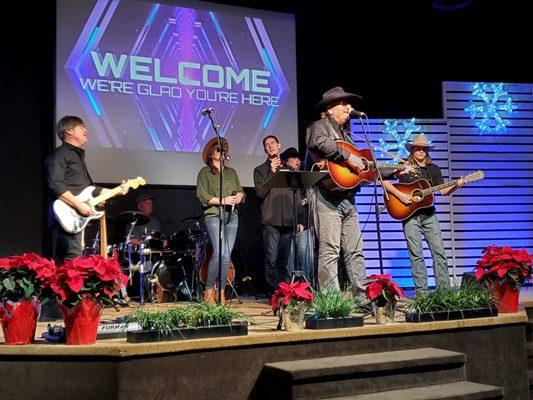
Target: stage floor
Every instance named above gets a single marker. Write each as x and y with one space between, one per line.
261 332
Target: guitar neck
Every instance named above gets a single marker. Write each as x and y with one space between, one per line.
393 167
437 188
105 196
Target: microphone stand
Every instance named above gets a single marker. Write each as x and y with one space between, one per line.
220 197
375 194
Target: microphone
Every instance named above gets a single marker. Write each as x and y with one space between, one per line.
207 111
354 113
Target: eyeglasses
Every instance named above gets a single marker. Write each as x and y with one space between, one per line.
216 149
420 148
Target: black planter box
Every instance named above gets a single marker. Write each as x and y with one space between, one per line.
236 329
451 315
332 323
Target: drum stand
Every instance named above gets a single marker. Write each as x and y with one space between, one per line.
184 281
234 292
140 264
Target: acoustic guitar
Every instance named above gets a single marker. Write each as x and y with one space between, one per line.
421 194
342 177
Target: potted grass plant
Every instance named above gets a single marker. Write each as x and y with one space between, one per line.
333 309
194 321
468 301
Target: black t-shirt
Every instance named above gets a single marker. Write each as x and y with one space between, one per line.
430 173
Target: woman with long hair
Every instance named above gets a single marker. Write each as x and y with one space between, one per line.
208 193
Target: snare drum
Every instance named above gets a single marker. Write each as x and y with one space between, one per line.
153 240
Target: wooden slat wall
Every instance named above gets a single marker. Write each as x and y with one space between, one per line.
499 209
395 256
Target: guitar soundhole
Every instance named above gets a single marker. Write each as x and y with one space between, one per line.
417 195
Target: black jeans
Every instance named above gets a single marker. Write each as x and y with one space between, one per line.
68 246
277 247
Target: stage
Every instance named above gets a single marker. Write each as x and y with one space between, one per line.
234 368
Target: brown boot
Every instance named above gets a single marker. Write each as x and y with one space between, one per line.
222 297
209 296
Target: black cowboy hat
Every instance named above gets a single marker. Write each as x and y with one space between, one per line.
333 95
289 153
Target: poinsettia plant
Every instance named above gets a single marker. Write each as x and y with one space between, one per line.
384 292
84 276
504 264
26 277
291 295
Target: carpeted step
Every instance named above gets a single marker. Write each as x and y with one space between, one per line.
447 391
361 373
529 347
529 330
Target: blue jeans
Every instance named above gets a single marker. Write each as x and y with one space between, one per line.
428 226
229 234
306 256
277 248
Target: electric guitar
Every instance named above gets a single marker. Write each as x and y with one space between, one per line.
342 177
421 194
72 221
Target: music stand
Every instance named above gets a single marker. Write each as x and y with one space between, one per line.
295 181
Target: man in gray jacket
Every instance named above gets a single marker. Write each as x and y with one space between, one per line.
336 215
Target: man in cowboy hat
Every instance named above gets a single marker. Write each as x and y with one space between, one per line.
424 221
304 236
336 220
277 215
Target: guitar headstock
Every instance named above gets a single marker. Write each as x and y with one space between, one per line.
135 183
475 176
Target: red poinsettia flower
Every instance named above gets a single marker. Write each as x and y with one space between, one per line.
92 275
504 264
381 287
288 292
26 276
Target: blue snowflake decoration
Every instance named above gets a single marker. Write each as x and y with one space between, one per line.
491 107
400 135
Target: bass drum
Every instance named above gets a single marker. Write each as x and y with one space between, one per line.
207 253
171 274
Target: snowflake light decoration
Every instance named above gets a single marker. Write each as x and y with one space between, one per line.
491 108
392 129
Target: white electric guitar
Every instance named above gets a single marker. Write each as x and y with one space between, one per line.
72 221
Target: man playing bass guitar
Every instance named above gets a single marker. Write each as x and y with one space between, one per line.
424 222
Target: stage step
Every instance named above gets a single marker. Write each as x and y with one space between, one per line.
360 374
447 391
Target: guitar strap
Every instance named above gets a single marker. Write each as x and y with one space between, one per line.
337 135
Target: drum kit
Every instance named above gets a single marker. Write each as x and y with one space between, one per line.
161 268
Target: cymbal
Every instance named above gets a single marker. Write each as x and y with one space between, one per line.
194 219
128 217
